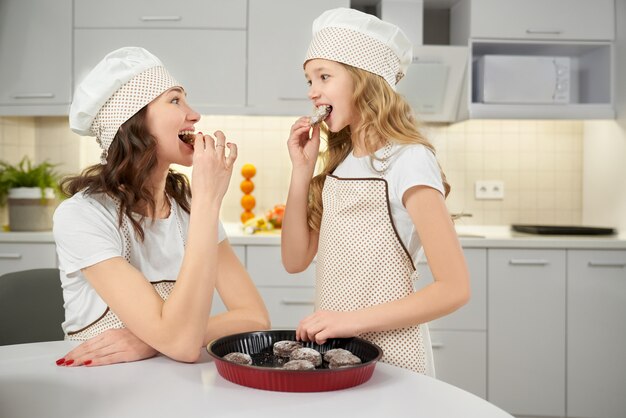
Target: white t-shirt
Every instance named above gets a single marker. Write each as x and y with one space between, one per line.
86 232
408 166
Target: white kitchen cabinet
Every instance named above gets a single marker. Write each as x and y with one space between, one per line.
533 19
279 34
17 256
526 323
288 297
224 14
218 306
35 57
542 28
202 44
459 339
596 335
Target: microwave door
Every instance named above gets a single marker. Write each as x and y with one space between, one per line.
524 80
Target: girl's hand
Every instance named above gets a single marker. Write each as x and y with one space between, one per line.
303 149
212 168
322 325
111 346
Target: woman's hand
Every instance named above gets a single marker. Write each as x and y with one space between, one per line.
212 168
322 325
303 149
111 346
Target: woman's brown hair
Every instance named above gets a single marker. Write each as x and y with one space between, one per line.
385 116
130 160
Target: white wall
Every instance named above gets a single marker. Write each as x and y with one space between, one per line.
604 156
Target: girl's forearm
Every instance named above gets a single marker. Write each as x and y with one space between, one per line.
295 234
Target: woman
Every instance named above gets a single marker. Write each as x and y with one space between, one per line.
139 258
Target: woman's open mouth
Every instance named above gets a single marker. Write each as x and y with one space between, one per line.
188 137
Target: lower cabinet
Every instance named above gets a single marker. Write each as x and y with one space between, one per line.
526 323
459 340
16 256
596 335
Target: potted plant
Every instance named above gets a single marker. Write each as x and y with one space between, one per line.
29 190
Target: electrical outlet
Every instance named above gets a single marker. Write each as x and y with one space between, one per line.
489 190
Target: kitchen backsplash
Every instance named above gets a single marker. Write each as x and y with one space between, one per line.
540 162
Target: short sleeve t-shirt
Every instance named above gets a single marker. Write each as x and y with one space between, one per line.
408 166
86 231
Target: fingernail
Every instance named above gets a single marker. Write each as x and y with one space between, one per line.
60 361
200 132
69 362
87 363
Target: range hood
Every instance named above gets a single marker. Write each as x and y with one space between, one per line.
435 84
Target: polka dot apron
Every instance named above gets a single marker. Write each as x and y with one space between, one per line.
108 319
362 262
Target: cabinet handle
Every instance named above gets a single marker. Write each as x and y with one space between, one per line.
293 99
543 32
161 18
10 256
34 96
601 264
517 262
436 345
296 302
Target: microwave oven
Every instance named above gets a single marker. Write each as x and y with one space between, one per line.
522 79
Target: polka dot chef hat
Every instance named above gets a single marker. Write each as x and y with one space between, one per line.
125 81
361 40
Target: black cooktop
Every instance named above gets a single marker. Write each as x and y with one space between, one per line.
562 230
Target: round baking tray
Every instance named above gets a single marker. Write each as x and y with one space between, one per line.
265 373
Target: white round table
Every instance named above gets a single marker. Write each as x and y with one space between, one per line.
33 386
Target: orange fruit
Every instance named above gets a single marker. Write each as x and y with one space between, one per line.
245 216
248 171
248 202
246 186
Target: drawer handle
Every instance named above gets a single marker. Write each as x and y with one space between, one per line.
293 99
161 18
297 302
518 262
601 264
10 256
543 32
436 345
34 96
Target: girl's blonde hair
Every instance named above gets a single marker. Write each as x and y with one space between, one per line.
385 115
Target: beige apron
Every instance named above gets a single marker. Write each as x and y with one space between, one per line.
108 319
362 262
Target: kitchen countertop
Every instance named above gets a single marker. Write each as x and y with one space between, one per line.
32 385
471 236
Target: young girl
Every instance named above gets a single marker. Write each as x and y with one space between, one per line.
139 258
378 199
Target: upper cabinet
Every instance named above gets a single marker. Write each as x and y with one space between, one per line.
279 34
534 59
202 44
35 57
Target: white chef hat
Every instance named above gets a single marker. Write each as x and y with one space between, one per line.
363 41
120 85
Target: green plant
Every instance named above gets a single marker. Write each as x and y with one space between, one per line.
26 174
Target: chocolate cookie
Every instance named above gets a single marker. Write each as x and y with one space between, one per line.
299 365
307 353
333 352
343 360
284 348
239 358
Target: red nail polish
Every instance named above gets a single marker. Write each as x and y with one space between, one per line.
69 362
87 362
60 361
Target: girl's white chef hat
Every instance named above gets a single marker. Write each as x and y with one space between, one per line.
120 85
363 41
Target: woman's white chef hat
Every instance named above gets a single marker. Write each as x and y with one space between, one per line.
120 85
361 40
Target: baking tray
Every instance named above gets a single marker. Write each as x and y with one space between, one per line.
265 374
562 230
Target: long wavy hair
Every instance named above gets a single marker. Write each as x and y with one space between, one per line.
130 161
385 116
